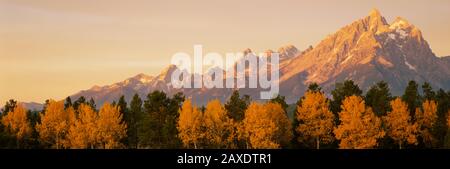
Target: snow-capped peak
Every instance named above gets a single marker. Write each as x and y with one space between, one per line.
287 51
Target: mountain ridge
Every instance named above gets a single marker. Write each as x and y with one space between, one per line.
366 51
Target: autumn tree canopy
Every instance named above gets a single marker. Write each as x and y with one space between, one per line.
17 123
217 126
96 130
426 119
399 125
359 127
316 121
266 126
110 127
189 124
55 124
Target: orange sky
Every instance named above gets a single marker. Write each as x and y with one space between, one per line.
54 48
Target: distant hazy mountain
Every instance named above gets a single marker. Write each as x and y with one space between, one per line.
366 51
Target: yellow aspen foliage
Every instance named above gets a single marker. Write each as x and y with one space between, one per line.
399 125
258 128
426 120
84 133
316 121
17 123
110 127
284 133
360 128
265 126
55 123
189 124
71 119
219 128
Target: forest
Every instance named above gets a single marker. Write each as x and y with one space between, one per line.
346 119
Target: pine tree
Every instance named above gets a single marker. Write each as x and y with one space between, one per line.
68 102
160 120
236 106
411 97
133 120
92 104
9 107
122 104
440 129
170 126
378 97
341 91
314 87
280 100
428 93
447 136
78 102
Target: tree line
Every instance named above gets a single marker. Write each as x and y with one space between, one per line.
420 118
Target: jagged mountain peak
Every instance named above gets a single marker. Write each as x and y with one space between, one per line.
366 51
166 73
376 21
400 23
374 13
287 51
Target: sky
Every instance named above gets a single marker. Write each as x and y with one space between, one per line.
55 48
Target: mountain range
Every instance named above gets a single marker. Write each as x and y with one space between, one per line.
366 51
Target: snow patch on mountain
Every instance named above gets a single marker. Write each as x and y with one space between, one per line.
410 66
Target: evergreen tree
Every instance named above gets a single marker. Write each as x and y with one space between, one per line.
378 97
412 98
341 91
314 87
133 120
428 93
122 104
236 106
92 103
9 107
68 102
123 109
440 130
78 102
281 100
159 122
